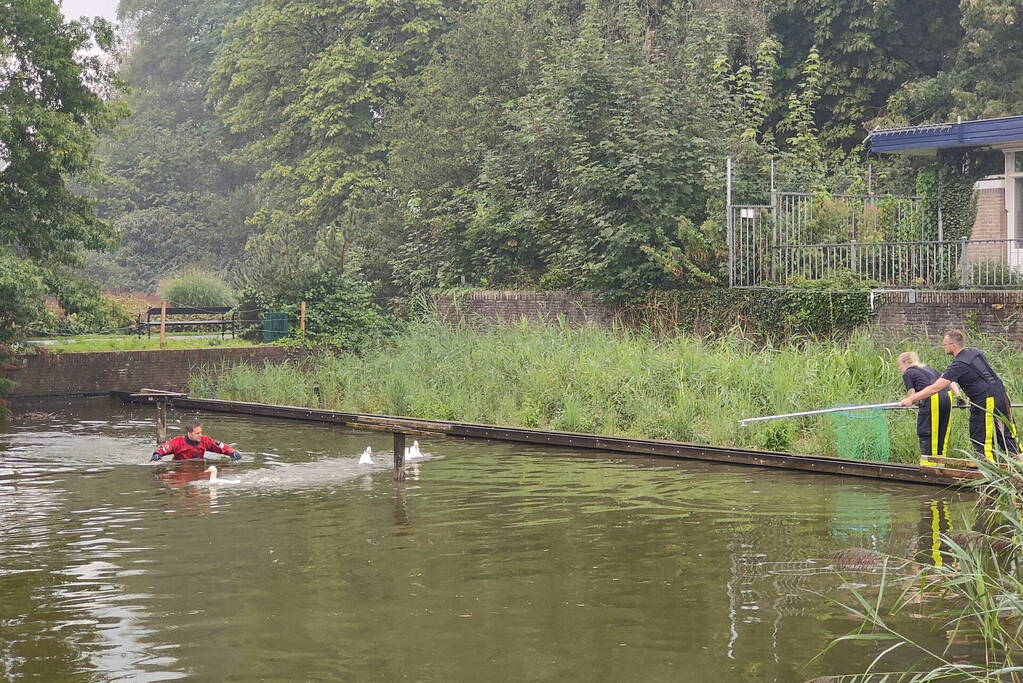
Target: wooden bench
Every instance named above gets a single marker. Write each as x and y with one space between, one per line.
223 321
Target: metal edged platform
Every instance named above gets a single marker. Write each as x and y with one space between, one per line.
668 449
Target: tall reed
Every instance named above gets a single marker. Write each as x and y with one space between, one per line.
616 383
974 596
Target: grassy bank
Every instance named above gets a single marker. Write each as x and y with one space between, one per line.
631 384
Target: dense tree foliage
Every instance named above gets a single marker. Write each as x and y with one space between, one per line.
52 104
170 187
982 77
500 143
868 49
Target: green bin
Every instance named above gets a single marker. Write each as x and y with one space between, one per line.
275 326
862 435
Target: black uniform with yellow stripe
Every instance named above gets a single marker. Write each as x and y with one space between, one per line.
990 425
934 421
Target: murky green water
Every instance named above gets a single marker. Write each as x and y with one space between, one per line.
492 562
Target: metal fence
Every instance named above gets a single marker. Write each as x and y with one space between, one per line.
879 238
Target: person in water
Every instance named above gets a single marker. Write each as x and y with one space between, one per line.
991 425
193 445
933 422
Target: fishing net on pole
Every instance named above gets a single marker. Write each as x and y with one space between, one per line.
862 435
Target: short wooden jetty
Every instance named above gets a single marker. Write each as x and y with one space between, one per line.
937 476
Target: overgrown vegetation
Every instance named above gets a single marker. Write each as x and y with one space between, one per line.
197 288
515 143
620 383
806 309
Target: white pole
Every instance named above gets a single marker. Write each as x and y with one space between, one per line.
879 406
728 223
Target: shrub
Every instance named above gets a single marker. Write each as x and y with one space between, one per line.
198 288
339 310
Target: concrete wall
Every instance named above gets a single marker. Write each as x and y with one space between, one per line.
67 374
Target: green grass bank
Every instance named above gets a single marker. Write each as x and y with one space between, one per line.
615 383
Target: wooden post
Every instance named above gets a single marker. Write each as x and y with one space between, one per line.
163 321
161 422
301 318
399 456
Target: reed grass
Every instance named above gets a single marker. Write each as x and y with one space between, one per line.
974 597
622 383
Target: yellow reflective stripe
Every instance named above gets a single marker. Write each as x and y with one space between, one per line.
948 426
935 534
935 408
989 428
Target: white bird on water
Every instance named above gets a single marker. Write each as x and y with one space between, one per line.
412 452
214 479
367 457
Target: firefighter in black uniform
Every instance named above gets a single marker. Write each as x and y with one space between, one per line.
933 423
991 424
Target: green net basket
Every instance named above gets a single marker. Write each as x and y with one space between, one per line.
275 326
862 435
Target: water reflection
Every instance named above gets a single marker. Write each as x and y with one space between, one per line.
493 562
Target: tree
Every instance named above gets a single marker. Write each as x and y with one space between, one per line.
51 107
602 156
308 85
51 96
983 78
867 50
171 187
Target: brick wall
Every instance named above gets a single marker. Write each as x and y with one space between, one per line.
68 374
577 308
998 314
989 225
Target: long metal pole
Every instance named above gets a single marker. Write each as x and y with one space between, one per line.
728 221
822 411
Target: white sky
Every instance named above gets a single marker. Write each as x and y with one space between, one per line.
90 8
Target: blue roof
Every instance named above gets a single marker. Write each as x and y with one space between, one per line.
928 138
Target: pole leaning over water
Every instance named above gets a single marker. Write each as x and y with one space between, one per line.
822 411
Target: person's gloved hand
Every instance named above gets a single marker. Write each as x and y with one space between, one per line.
235 455
156 456
961 402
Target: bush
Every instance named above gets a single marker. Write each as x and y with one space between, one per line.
198 288
103 315
83 309
339 310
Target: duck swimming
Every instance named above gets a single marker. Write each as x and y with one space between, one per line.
413 452
214 479
366 457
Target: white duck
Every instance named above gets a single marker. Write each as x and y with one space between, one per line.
367 457
214 479
412 452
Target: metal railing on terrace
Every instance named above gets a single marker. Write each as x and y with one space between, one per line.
887 239
979 264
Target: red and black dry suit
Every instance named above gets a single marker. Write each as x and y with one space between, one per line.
990 424
183 448
933 422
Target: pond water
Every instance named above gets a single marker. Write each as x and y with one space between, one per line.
493 561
